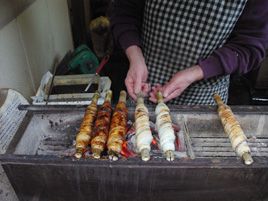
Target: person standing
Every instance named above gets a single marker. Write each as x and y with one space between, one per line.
188 48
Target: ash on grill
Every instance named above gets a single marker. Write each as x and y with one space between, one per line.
59 143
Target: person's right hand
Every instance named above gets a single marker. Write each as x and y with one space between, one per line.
137 73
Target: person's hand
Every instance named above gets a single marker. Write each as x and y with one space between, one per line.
178 83
136 79
154 91
137 74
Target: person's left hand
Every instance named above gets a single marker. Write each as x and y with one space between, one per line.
178 83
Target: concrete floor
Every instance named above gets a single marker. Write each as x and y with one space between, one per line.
6 191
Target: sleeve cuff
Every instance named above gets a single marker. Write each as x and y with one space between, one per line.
211 67
128 39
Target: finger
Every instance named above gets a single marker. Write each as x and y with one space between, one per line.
156 89
153 90
130 88
153 94
158 86
169 88
137 85
153 100
153 97
174 94
145 88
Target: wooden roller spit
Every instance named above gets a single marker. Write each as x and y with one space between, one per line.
86 129
233 131
118 127
102 125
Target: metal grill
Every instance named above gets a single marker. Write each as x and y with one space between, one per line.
54 134
209 140
36 168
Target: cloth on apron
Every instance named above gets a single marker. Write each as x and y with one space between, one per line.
177 33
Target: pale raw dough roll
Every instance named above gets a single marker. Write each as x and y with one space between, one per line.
144 140
242 148
161 107
164 126
144 136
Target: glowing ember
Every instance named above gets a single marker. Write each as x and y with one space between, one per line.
125 151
